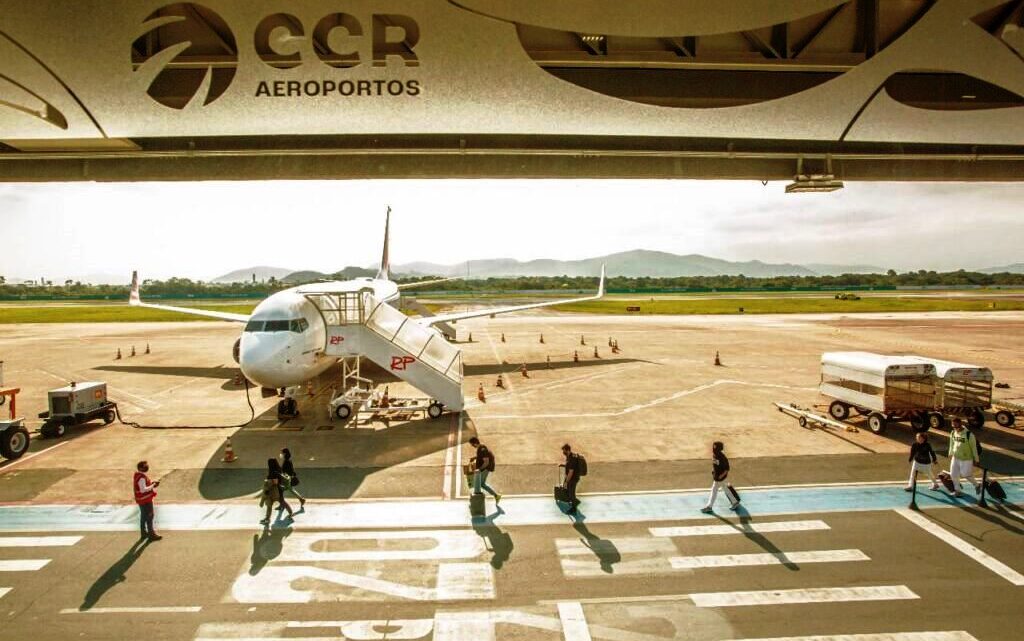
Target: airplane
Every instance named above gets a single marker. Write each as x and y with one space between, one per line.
283 341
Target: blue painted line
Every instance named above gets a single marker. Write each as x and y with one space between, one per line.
631 508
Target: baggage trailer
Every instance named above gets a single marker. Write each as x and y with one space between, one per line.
963 390
883 388
1007 411
14 438
76 404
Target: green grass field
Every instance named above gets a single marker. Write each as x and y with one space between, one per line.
791 306
105 314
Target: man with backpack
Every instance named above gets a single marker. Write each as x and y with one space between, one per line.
484 461
963 456
575 468
719 474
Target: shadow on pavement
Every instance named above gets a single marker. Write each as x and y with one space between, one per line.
497 542
115 574
605 551
505 368
761 540
172 370
266 547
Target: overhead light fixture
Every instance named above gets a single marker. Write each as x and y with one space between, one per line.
808 183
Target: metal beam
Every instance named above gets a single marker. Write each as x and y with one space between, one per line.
926 6
809 39
1003 17
596 45
780 39
766 49
866 38
685 46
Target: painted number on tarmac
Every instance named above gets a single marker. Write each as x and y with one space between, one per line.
436 565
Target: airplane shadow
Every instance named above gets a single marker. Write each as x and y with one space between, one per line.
172 370
484 369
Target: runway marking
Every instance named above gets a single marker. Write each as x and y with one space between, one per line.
506 396
574 623
801 595
169 609
885 636
627 545
38 541
4 591
9 464
963 546
774 558
382 546
739 528
23 565
449 459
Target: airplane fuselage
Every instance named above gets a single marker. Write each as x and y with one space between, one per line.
282 344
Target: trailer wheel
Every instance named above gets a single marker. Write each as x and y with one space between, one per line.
108 417
877 422
936 421
60 429
343 411
976 420
435 410
14 442
839 410
802 421
1005 419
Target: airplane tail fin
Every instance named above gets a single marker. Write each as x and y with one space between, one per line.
384 273
133 297
600 285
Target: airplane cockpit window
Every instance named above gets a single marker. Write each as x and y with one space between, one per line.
254 326
299 325
276 326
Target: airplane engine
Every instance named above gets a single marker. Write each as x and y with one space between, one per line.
236 350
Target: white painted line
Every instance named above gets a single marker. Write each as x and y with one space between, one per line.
885 636
963 546
739 528
623 545
170 609
449 460
37 541
9 464
778 558
4 591
623 599
574 624
810 595
23 565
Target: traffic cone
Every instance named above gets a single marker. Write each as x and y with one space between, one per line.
615 348
147 348
118 357
133 350
575 356
582 341
503 337
309 388
238 379
500 382
522 370
229 452
542 338
480 394
609 341
718 361
549 362
596 355
470 337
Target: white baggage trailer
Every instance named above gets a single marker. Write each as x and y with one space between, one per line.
963 390
883 388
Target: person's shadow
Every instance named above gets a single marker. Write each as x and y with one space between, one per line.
605 551
743 527
266 547
497 542
115 574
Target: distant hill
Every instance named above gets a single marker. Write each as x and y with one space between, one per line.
826 269
245 275
1015 268
310 276
639 262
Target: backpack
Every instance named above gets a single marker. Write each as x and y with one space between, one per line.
581 465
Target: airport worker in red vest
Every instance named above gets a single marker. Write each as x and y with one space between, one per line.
145 492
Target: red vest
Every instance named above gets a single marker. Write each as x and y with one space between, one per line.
142 497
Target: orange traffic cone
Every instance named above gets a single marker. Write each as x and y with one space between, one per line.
615 348
718 361
229 452
522 370
575 356
480 394
238 379
609 341
118 357
582 341
542 338
470 337
596 355
500 382
503 337
133 350
549 362
147 348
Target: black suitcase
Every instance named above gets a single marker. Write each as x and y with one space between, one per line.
995 490
476 505
733 494
947 481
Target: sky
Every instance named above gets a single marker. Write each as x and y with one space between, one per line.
201 230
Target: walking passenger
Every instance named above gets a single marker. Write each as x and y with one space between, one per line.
922 459
963 456
273 490
719 474
145 492
575 467
291 479
484 465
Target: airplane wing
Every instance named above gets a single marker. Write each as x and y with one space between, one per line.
457 316
421 283
135 300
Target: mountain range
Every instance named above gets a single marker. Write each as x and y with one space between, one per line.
636 263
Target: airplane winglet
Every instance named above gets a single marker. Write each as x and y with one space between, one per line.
133 297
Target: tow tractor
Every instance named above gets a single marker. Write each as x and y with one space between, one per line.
76 404
14 438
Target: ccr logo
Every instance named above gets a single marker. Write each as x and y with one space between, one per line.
179 70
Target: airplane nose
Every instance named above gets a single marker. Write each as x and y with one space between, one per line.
260 365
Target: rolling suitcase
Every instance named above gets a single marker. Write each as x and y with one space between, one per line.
734 496
561 492
476 505
995 490
947 481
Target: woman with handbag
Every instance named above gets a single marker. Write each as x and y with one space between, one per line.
291 478
273 490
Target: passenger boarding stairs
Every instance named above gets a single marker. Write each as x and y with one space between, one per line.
360 325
